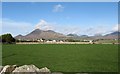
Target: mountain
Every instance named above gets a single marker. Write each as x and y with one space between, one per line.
37 34
84 36
116 33
73 35
113 35
50 34
19 36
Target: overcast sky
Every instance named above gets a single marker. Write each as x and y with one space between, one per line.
82 18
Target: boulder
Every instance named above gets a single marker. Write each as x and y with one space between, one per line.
7 68
45 69
32 69
25 69
1 68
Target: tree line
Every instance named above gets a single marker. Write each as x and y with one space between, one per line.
7 39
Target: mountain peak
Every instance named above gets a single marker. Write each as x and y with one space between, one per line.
37 30
48 34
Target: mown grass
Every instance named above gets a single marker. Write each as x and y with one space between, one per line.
64 57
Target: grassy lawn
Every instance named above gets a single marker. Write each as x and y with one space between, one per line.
64 57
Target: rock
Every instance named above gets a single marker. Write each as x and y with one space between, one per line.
4 69
31 68
7 68
11 68
25 69
45 69
1 68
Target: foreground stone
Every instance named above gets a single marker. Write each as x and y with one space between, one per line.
1 68
25 69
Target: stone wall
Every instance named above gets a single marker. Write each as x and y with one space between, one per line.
25 69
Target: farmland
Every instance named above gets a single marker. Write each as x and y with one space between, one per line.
63 57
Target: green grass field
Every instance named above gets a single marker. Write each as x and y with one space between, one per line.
64 57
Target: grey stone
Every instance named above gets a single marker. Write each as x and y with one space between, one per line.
25 69
45 69
7 68
1 68
31 69
4 69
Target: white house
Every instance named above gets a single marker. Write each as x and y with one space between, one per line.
53 40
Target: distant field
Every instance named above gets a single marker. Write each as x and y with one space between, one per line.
64 57
108 41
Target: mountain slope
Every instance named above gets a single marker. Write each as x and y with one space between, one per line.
116 33
37 34
113 35
19 37
49 34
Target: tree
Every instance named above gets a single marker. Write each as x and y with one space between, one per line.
70 40
7 38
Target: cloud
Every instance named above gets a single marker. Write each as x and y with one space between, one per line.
71 30
67 29
18 27
58 8
116 28
97 30
44 25
15 27
90 30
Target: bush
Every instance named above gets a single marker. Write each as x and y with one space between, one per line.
7 38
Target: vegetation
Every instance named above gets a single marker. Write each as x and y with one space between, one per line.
64 57
26 40
108 41
75 40
7 38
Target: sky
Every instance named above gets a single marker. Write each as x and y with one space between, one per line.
60 0
82 18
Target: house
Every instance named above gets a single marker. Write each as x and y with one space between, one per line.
90 41
54 41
